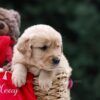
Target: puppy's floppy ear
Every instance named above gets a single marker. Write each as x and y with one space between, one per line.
14 23
24 46
16 15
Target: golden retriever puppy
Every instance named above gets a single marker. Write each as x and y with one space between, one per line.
39 51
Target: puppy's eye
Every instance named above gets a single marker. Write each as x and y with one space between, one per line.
58 46
44 48
31 46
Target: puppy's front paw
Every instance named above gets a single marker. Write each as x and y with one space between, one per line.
18 79
45 84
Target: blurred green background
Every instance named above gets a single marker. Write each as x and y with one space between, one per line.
79 23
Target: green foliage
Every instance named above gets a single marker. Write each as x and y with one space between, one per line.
79 23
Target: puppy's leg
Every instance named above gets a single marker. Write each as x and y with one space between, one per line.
35 71
45 80
19 75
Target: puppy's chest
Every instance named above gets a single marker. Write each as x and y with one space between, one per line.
35 71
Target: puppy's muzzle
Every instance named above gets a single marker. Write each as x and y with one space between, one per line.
55 60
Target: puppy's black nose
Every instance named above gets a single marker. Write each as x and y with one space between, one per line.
55 60
1 26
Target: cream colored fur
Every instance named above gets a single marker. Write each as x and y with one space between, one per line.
30 56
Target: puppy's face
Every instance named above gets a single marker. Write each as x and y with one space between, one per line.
42 47
9 23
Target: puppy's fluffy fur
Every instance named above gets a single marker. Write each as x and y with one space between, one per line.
34 52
